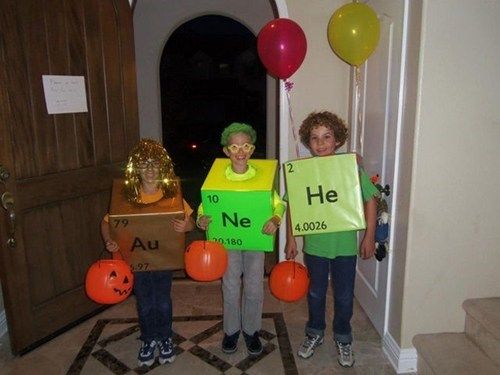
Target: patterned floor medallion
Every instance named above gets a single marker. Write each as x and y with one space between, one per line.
108 333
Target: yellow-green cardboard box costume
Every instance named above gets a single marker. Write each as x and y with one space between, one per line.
239 209
324 194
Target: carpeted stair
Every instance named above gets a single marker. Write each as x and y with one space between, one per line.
475 351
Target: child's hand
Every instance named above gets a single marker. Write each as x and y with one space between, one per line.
183 225
111 246
291 249
271 226
203 221
367 248
359 159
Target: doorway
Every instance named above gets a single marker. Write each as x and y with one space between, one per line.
210 76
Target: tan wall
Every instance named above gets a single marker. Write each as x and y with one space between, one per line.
453 245
322 82
155 21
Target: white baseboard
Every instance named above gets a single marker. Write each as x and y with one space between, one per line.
403 360
3 323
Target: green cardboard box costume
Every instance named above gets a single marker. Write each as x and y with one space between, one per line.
239 209
324 202
338 173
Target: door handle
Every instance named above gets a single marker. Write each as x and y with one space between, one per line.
4 174
8 204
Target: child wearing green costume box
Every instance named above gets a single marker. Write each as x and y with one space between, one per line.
243 309
323 133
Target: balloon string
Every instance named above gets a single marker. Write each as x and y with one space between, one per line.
359 130
288 88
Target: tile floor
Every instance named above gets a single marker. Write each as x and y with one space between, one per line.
107 343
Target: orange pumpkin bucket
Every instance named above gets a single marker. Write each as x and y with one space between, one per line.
289 281
109 281
205 260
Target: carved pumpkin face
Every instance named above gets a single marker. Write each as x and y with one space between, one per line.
109 281
205 260
289 281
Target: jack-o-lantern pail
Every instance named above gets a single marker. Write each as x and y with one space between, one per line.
205 260
289 281
109 281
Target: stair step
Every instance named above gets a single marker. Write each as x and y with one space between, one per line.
482 325
486 311
451 354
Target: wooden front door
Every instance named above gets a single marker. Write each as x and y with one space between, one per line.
58 168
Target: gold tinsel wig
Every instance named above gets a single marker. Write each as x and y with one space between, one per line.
145 150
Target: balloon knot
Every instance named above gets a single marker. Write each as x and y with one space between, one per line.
288 85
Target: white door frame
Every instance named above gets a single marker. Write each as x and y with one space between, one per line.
284 126
355 111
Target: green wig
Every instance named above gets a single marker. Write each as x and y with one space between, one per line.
237 127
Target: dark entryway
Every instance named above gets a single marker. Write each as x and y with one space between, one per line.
210 76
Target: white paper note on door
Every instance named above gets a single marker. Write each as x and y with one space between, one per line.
64 94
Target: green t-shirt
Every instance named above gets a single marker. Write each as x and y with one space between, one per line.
332 245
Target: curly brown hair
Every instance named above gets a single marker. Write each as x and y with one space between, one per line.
328 120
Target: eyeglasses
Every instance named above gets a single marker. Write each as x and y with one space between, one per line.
246 147
153 164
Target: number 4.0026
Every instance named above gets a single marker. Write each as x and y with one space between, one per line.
311 225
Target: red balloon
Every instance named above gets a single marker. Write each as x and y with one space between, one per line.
109 281
289 281
282 46
205 260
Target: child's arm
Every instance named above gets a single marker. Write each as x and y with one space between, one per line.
183 225
279 207
202 220
291 245
367 247
271 225
111 244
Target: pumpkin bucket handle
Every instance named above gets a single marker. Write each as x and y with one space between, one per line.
104 251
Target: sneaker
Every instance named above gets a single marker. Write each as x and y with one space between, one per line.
254 346
346 356
309 344
146 355
166 348
230 343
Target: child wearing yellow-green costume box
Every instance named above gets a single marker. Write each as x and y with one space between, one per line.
333 254
243 307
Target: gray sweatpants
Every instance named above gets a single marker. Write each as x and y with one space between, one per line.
243 311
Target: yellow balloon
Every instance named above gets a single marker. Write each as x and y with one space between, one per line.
353 32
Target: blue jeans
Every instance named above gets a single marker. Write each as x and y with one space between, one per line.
154 305
343 271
